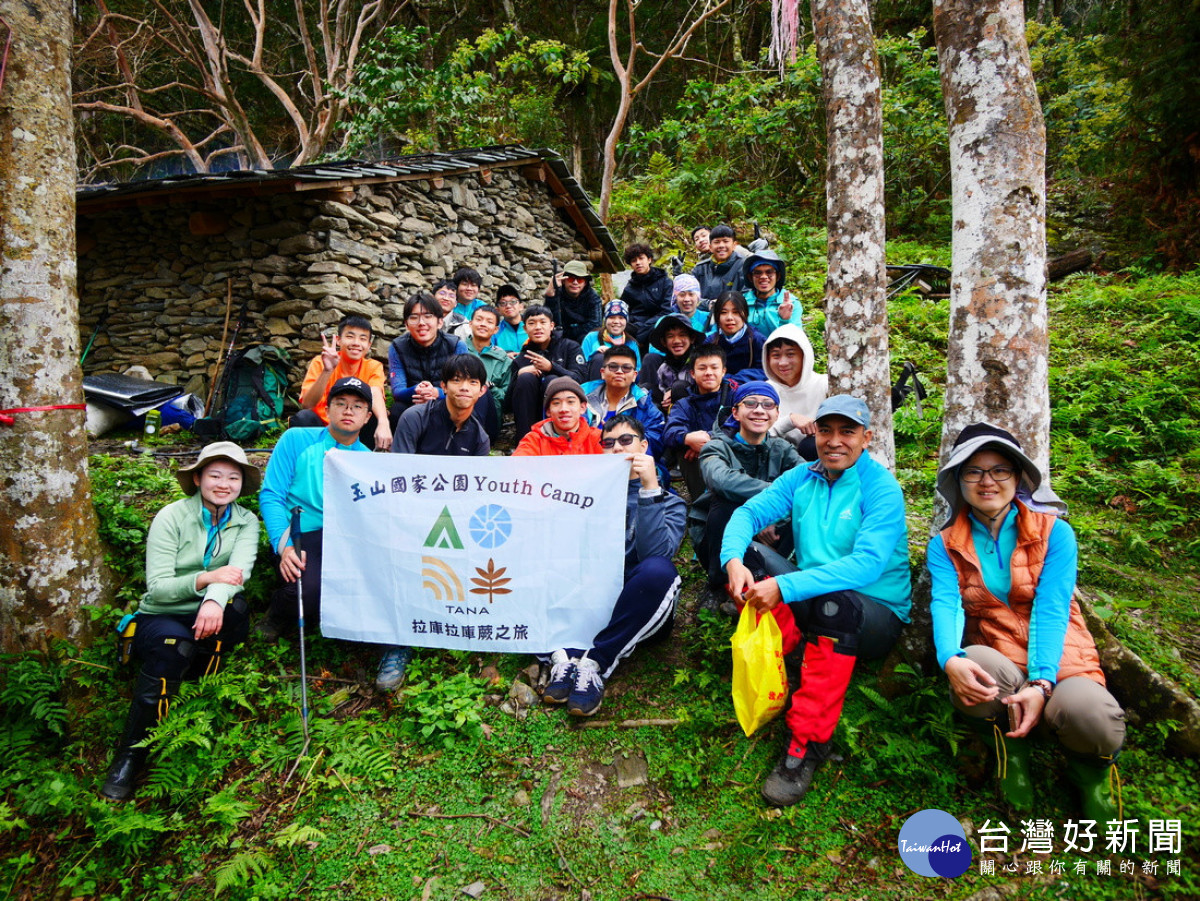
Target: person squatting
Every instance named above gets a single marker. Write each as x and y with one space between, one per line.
705 385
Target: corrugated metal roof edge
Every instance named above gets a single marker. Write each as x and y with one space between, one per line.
465 159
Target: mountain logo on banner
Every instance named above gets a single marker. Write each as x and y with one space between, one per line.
441 580
444 534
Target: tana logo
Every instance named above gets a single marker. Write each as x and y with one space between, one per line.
441 580
933 843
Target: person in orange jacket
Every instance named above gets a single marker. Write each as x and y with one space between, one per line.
564 430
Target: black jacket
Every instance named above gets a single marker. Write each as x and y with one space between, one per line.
428 429
575 316
565 356
715 279
648 296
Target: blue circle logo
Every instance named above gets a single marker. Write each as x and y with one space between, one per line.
490 526
933 843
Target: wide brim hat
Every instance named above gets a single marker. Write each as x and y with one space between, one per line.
1032 490
673 320
220 450
765 257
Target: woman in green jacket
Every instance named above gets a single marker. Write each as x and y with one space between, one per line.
199 554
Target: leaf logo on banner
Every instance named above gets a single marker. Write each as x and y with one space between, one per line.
440 579
490 581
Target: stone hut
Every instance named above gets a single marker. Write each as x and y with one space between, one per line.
164 264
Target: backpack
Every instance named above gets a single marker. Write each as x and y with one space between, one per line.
256 382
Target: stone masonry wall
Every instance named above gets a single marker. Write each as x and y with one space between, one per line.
304 261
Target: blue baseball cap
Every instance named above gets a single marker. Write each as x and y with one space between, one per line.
853 408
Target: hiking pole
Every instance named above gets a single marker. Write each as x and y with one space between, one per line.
100 323
237 330
212 387
300 606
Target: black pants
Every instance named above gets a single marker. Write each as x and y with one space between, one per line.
527 399
709 549
285 609
164 642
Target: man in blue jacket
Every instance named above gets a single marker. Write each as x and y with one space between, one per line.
850 592
615 393
645 608
295 477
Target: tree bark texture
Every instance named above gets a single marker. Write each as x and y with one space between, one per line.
997 367
856 324
50 560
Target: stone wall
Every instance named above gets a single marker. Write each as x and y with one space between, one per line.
304 260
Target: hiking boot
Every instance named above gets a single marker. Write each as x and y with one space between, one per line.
788 783
151 699
562 678
391 668
588 691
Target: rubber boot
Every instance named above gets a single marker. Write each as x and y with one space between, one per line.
151 698
1012 762
1096 778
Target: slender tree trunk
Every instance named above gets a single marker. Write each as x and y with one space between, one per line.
997 366
856 325
50 561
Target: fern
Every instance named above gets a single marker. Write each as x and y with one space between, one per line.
242 869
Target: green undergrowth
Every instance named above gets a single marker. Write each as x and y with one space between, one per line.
425 792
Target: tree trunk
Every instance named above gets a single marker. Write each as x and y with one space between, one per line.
997 366
856 325
50 560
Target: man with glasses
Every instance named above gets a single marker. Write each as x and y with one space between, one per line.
645 608
295 477
740 461
849 593
615 393
415 359
573 302
511 337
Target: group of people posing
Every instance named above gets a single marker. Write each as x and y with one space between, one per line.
789 513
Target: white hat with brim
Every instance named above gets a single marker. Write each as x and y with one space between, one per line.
1033 490
220 450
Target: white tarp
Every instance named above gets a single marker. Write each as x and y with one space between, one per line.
509 554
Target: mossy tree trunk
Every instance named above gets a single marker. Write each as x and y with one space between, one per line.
856 324
50 560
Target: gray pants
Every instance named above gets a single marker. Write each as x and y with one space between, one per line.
1081 714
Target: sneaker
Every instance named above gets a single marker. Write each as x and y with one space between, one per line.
562 678
788 783
588 691
391 668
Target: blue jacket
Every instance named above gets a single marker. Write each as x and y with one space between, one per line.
851 534
764 313
637 403
653 525
696 413
744 353
295 477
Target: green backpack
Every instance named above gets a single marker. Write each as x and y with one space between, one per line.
256 382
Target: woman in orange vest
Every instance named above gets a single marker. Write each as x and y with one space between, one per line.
1006 626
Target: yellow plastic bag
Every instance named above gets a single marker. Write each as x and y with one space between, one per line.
759 679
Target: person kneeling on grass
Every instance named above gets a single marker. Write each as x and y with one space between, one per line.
199 553
850 592
645 608
296 478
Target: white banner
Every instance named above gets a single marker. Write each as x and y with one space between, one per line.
509 554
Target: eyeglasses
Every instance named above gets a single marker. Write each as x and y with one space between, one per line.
353 407
421 317
620 367
753 404
998 474
575 278
624 440
507 303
